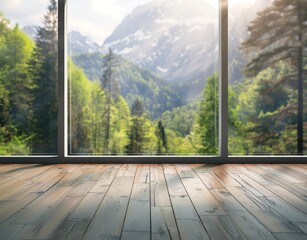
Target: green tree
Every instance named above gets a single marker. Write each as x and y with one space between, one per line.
162 139
120 122
207 120
267 119
44 72
111 89
15 89
137 131
279 33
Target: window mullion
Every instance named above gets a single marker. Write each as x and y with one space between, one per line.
223 81
61 80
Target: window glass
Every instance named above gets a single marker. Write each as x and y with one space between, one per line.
267 76
143 77
28 77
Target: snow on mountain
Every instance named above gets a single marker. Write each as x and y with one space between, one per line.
171 38
178 39
79 44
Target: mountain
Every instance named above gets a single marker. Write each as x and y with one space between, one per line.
79 44
178 39
30 30
157 95
174 39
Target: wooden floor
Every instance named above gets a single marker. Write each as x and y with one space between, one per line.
153 202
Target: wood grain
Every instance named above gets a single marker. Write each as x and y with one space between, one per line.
153 201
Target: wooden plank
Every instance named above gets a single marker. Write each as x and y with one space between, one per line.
81 188
41 207
278 180
209 180
302 226
47 184
158 187
108 221
302 186
184 171
107 176
226 200
127 170
138 213
224 178
135 235
251 185
70 179
222 227
13 231
188 222
198 193
183 208
250 226
77 231
280 174
14 207
297 168
19 192
192 230
289 212
163 224
264 213
204 167
181 201
63 230
49 224
253 175
292 236
169 169
87 207
142 173
295 201
291 172
174 185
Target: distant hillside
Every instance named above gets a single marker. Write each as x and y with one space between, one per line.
158 95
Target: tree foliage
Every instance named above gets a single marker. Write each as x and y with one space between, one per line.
44 66
279 33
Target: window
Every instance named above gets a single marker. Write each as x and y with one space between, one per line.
267 58
150 80
28 78
143 77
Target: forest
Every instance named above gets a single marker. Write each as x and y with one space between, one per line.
122 109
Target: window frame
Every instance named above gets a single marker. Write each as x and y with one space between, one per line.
223 156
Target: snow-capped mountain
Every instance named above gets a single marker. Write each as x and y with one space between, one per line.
76 42
79 44
176 39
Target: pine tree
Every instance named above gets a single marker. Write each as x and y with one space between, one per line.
162 140
207 120
44 66
137 131
279 33
111 89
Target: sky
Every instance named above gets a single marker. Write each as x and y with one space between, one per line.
94 18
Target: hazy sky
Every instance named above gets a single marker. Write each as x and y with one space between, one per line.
98 18
94 18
